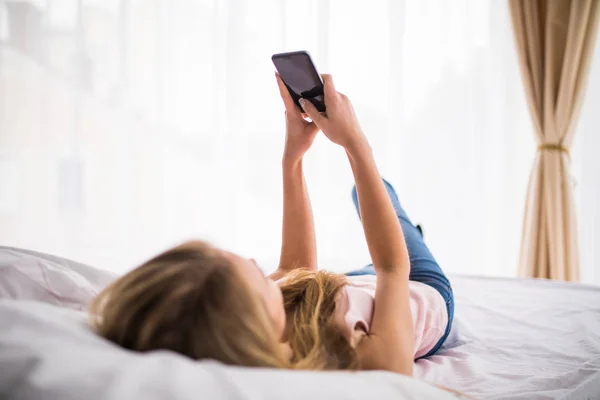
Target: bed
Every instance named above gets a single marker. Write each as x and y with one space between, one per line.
512 339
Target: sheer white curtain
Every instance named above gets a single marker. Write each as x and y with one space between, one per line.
586 176
127 126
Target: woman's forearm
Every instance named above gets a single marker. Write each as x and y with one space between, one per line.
382 230
298 243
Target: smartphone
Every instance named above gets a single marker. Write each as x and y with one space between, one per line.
301 78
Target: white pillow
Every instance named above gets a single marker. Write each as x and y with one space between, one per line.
49 352
29 275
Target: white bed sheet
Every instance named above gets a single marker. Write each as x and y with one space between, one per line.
520 339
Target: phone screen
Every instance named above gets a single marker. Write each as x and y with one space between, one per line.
301 77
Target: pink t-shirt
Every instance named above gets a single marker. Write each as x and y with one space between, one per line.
429 314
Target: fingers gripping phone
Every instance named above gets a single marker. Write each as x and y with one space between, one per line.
301 78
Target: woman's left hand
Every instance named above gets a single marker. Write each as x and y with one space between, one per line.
300 134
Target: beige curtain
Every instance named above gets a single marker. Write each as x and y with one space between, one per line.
554 40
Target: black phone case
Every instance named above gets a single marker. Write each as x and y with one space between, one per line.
308 95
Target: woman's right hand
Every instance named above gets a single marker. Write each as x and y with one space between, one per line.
339 123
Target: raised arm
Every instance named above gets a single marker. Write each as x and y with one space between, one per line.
389 344
298 241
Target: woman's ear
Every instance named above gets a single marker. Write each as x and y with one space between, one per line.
357 335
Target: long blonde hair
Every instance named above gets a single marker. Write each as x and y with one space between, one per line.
309 300
190 300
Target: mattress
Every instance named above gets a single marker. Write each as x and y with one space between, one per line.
511 339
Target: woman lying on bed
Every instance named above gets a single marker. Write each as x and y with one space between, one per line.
206 302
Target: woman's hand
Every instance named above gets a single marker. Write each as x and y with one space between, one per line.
339 123
300 134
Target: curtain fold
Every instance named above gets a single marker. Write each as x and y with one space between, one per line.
555 41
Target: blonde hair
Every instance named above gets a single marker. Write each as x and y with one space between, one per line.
190 300
309 300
